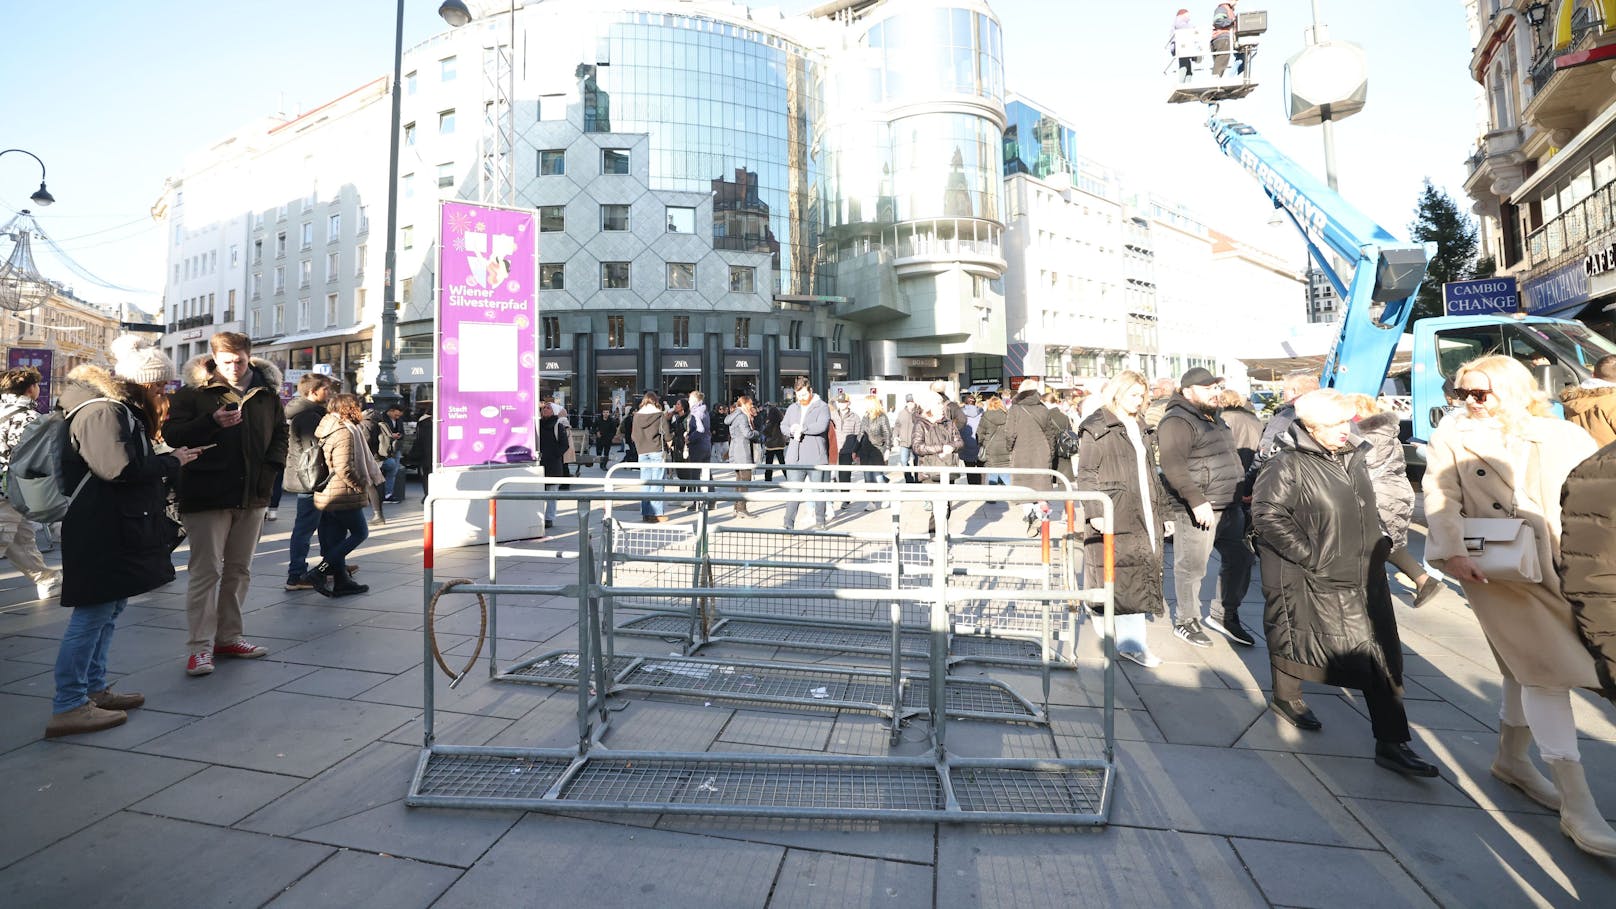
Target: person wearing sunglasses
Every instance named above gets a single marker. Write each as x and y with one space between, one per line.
1505 455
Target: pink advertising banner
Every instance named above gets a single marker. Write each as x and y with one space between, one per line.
488 312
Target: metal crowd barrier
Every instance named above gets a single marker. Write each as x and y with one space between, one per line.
938 786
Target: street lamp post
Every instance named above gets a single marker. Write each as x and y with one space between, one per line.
43 197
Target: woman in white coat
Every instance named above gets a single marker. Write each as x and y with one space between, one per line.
1504 456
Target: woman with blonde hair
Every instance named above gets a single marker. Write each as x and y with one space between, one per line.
1115 458
1504 456
1394 495
875 442
990 440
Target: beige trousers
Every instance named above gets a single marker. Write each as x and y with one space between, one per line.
222 544
22 549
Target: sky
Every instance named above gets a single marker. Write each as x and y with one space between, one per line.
114 97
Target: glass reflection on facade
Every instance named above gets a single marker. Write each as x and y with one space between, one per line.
728 111
1037 143
926 52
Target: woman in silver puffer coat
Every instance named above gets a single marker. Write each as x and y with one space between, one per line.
1394 495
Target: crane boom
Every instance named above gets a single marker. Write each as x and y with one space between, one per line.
1385 272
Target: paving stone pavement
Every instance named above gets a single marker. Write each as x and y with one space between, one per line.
280 782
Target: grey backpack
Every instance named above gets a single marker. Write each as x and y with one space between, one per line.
35 485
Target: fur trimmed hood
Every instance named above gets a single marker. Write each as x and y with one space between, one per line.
1585 396
1378 423
91 381
198 371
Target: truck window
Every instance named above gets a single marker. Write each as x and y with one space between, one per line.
1458 346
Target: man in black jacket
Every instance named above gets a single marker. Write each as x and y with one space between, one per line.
230 408
303 416
1201 471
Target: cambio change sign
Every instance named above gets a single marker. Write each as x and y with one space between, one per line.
488 312
1475 298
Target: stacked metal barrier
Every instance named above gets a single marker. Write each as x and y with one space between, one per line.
911 597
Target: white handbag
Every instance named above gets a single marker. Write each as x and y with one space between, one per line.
1505 549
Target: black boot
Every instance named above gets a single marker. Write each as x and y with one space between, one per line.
320 577
343 583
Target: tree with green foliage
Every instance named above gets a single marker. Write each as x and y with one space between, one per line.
1438 218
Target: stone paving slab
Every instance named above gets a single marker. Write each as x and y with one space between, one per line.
612 866
142 861
1037 868
255 735
1324 877
818 880
357 879
218 795
51 789
1201 716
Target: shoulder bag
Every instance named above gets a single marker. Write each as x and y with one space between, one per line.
1505 549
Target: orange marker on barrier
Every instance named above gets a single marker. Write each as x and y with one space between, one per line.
1110 559
1044 533
426 546
493 521
1071 517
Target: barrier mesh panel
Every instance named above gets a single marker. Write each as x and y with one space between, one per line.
488 776
1071 791
804 784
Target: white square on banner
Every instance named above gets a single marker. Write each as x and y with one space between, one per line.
488 357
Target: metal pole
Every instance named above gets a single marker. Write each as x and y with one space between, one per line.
510 114
386 383
1329 153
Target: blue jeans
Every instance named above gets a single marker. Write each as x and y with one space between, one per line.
998 479
275 494
391 468
341 532
81 662
798 475
648 508
308 518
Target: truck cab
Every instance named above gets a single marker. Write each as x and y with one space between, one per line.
1559 353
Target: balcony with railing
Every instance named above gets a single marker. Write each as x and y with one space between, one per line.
1565 92
1564 236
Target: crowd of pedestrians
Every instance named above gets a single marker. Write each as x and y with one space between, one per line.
1318 497
141 468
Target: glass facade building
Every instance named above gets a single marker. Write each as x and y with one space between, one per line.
1038 144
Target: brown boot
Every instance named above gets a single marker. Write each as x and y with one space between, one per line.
107 699
84 718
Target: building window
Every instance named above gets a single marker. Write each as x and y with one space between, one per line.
446 122
794 335
613 275
303 313
408 238
836 337
330 309
257 286
743 332
280 245
305 271
616 337
552 218
552 162
258 251
235 255
409 185
681 220
552 276
552 332
364 218
614 161
280 319
257 323
681 331
446 69
333 227
230 306
409 83
614 217
308 234
446 176
333 262
406 290
280 279
409 134
359 304
742 279
359 260
681 276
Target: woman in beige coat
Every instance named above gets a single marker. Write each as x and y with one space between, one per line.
1505 456
354 473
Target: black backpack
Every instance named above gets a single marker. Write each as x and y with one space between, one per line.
1066 443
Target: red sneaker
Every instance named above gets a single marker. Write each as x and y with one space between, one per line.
241 650
199 664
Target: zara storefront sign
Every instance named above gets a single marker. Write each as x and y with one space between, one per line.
1473 298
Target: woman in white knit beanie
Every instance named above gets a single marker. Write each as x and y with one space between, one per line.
137 360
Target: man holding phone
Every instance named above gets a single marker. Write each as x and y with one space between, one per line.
230 408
